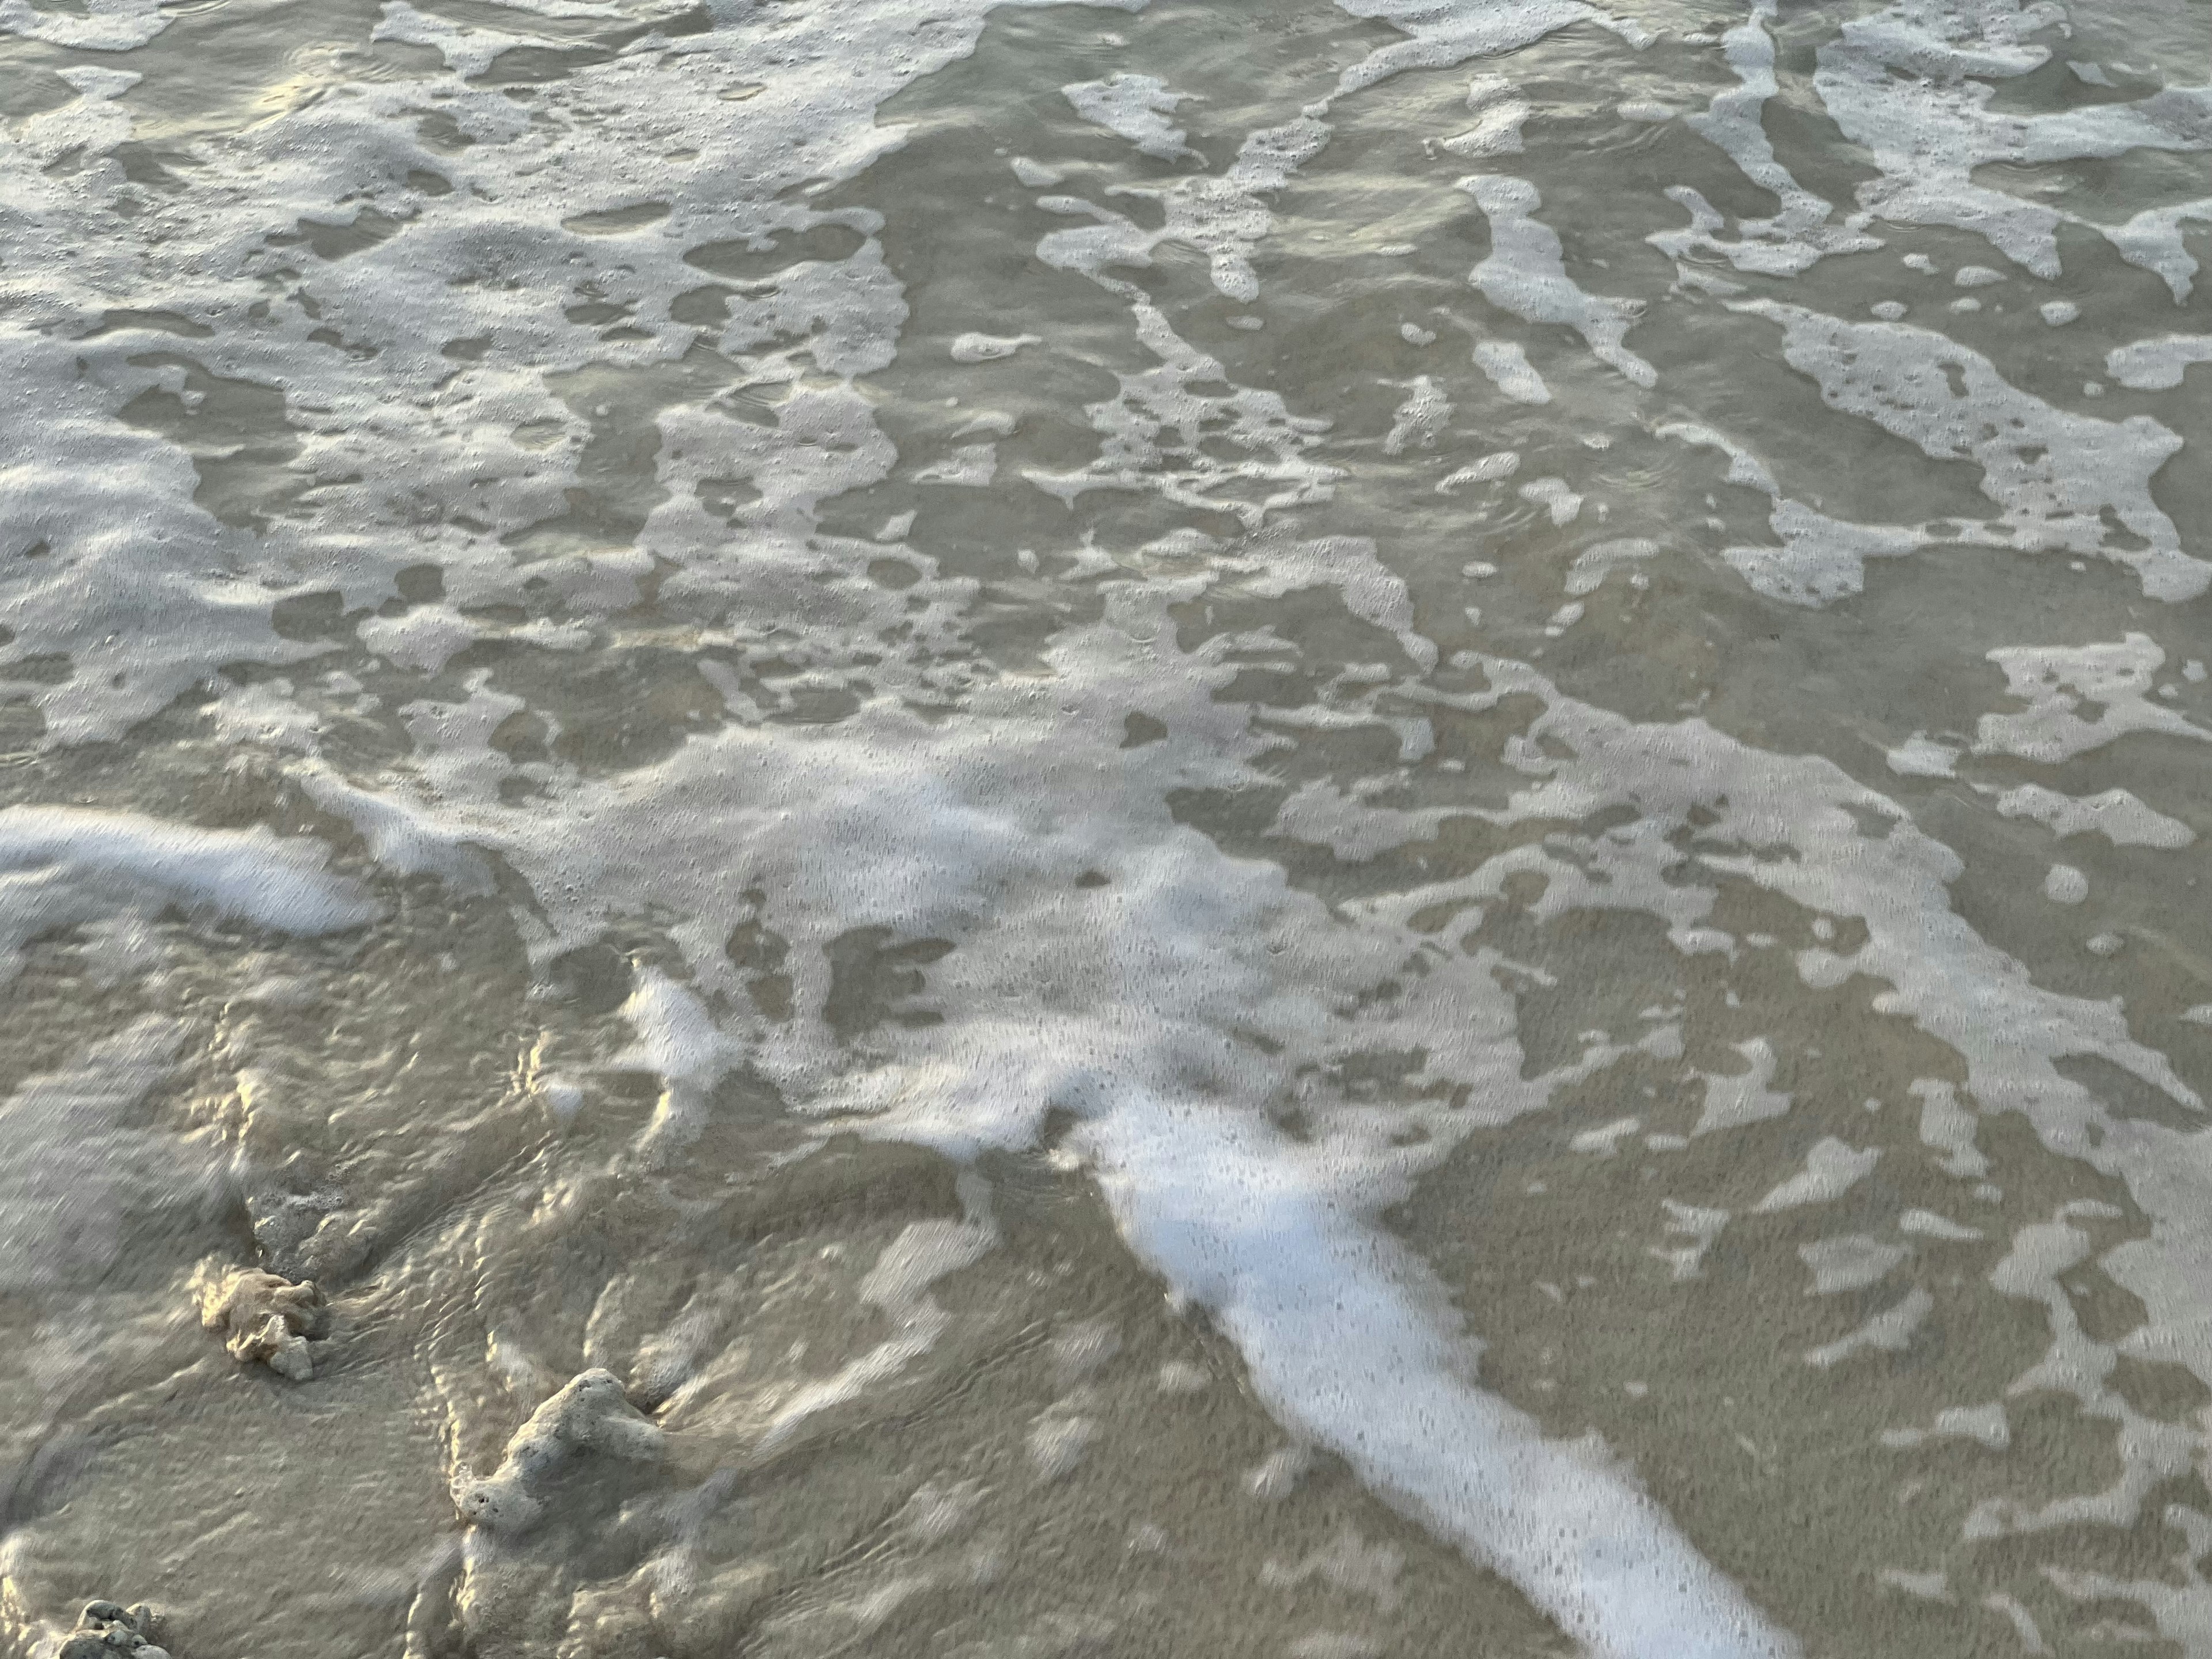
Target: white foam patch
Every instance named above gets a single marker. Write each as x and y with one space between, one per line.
1800 233
91 26
1948 1127
1605 1141
122 548
62 868
1445 33
1986 1424
1831 1169
1153 425
1820 559
1315 1308
1733 1100
2115 814
1224 217
2150 1450
1135 107
1560 504
1491 468
2064 884
1888 1332
1912 84
1159 433
1420 419
1600 559
1499 116
2057 682
398 834
677 1037
990 347
1850 1262
2053 475
1525 273
971 466
2157 365
1509 370
467 51
1926 1223
1744 466
1701 1225
1921 756
2153 239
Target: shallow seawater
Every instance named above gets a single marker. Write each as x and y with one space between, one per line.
930 828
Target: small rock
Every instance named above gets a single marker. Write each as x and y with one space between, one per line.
265 1316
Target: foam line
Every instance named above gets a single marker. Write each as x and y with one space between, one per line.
1319 1307
61 866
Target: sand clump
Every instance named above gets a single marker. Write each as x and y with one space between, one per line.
591 1414
104 1630
263 1316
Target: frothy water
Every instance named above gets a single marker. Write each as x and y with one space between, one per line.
989 829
